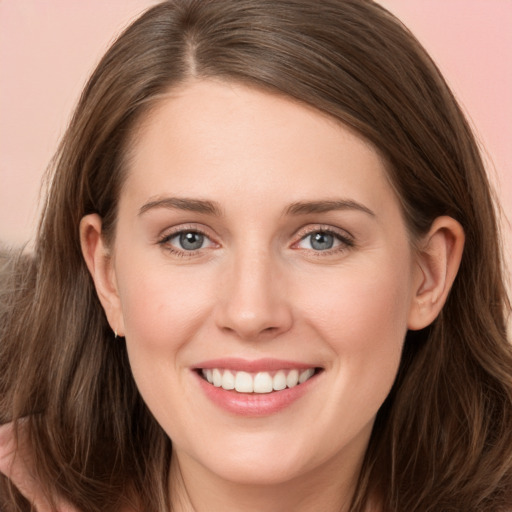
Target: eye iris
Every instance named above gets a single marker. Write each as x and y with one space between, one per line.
191 241
322 241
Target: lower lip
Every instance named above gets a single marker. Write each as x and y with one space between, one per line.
255 404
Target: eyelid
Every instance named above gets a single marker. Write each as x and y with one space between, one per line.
346 238
168 234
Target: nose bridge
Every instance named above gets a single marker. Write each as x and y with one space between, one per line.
254 301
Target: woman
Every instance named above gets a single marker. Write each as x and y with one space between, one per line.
267 277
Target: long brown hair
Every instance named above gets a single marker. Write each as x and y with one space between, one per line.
442 441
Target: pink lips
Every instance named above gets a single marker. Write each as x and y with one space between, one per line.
253 404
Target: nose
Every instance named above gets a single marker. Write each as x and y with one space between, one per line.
253 303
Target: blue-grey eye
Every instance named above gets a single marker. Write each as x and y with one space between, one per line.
321 241
191 240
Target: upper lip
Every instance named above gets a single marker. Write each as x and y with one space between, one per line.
252 366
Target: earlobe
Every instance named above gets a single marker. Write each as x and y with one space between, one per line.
99 262
438 260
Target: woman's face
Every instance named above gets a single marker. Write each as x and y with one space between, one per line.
259 245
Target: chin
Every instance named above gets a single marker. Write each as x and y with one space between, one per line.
261 461
264 473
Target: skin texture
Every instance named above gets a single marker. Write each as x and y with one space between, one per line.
258 289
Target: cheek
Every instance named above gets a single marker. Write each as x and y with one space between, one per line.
162 309
369 295
361 313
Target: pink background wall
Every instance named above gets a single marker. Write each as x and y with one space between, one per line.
48 48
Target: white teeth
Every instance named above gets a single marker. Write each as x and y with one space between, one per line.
243 382
228 380
261 382
279 381
305 375
292 379
217 378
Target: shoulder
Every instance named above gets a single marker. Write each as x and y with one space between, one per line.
7 447
17 465
15 461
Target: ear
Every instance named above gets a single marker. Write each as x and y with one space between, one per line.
100 263
438 259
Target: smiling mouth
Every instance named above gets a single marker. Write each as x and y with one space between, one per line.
257 383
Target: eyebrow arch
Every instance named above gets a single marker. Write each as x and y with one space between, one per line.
183 203
308 207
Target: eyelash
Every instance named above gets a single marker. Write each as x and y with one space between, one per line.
182 253
345 240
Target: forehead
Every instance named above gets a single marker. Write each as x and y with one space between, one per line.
210 137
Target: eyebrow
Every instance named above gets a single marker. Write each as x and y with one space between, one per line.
212 208
183 203
308 207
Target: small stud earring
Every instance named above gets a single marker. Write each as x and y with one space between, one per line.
115 334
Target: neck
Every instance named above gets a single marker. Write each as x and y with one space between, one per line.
193 488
